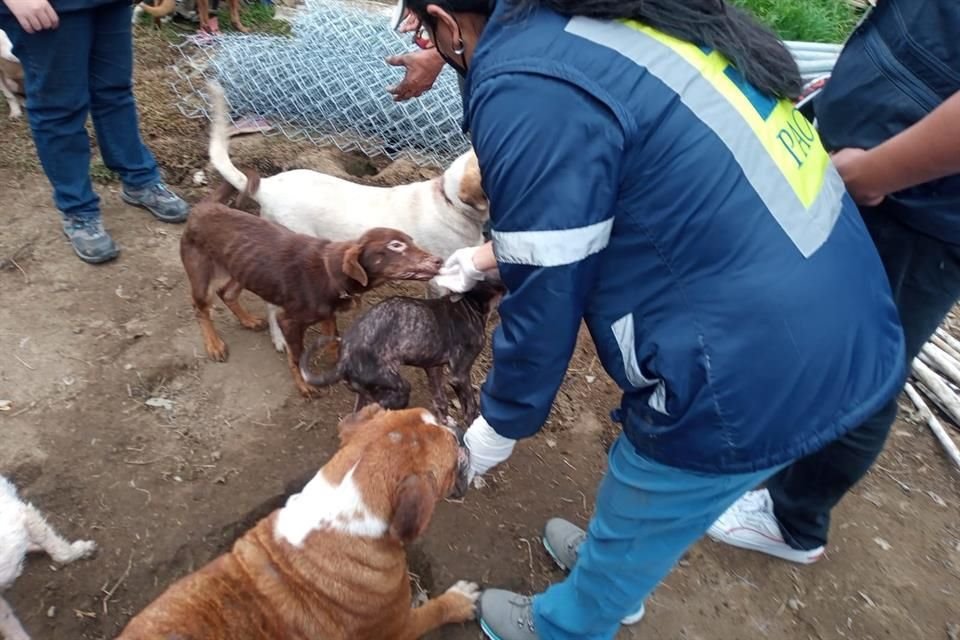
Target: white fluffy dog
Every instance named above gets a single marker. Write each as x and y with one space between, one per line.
23 530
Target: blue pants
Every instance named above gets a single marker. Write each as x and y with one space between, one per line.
646 516
84 66
924 275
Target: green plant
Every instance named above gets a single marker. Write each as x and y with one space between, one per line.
807 20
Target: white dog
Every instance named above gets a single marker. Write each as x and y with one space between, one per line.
11 76
441 215
23 530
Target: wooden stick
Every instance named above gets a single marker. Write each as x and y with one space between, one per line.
948 444
940 342
942 361
947 337
946 398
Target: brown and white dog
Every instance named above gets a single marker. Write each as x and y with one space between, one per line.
11 77
227 251
441 215
331 564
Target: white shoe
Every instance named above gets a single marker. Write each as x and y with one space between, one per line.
750 524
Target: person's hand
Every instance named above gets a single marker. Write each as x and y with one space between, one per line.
33 15
854 167
459 273
422 68
487 447
409 23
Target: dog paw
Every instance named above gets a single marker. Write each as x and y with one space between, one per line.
218 351
79 549
255 323
307 391
279 343
84 548
464 596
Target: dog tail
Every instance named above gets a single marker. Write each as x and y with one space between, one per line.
253 184
220 140
220 195
165 8
328 377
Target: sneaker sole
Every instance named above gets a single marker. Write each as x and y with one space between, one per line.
135 203
550 552
632 619
788 554
487 631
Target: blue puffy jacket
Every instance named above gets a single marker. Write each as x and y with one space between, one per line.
638 183
900 64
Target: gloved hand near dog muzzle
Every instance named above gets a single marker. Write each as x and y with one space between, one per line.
460 273
486 448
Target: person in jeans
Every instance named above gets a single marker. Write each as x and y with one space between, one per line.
77 58
648 174
891 114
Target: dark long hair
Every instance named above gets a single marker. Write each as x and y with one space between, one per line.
750 46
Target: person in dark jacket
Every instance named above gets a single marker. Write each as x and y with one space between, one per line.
891 114
648 174
77 60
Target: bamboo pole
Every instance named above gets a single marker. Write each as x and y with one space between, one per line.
941 434
943 361
948 338
939 391
940 342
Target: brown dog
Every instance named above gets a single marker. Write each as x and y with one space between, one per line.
166 7
331 564
227 251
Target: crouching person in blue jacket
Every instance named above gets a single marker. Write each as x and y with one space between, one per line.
649 175
77 58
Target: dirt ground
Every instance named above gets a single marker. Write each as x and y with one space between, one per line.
86 353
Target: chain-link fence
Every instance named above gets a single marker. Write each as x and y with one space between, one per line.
327 82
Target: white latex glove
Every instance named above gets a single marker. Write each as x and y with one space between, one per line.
487 447
459 274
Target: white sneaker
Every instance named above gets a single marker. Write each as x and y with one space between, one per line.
749 523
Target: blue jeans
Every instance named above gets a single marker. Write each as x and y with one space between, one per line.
924 275
646 516
84 66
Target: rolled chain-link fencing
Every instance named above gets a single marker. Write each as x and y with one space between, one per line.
327 81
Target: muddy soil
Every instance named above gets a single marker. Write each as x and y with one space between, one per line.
122 431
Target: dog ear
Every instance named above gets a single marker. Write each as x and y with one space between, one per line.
349 424
471 186
351 264
413 506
